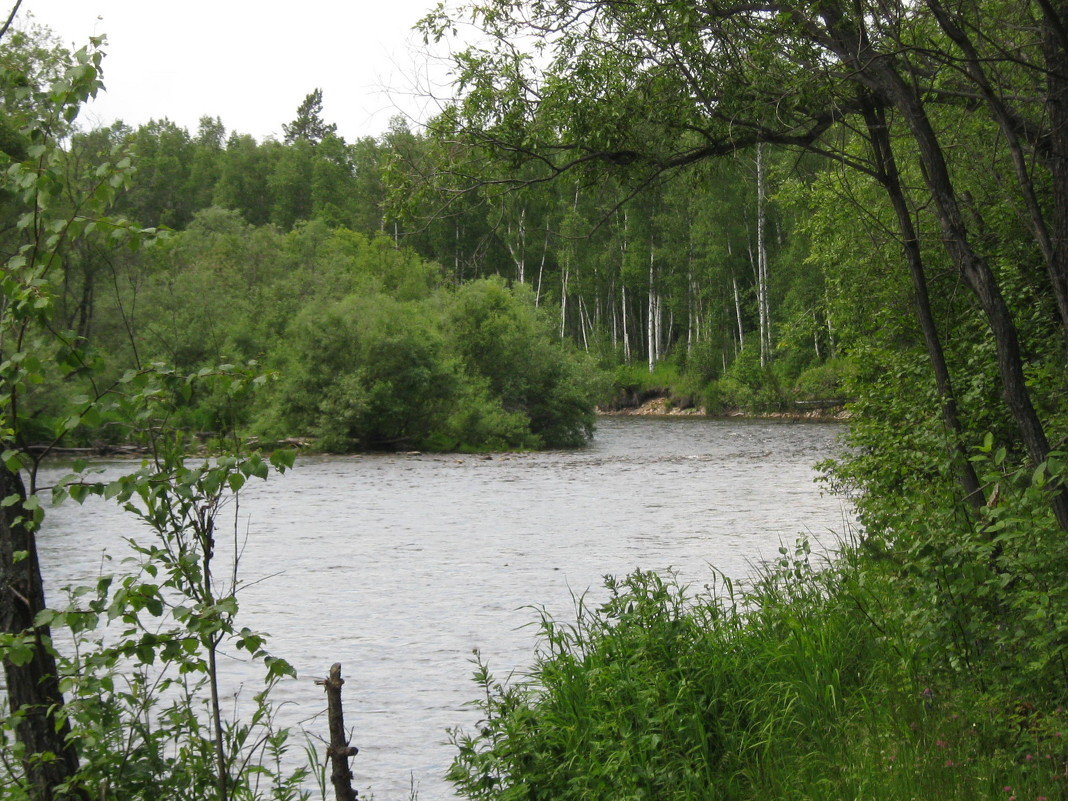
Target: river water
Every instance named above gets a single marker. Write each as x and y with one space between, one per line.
400 566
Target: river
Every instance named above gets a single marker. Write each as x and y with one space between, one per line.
400 566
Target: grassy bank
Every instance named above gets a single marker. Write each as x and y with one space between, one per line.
815 683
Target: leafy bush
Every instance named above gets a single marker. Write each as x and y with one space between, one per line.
365 372
746 385
473 369
501 337
824 381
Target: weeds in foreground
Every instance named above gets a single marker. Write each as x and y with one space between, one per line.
807 685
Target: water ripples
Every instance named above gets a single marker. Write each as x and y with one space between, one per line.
399 566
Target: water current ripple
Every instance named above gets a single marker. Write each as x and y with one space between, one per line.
399 566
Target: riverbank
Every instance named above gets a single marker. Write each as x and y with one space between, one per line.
663 406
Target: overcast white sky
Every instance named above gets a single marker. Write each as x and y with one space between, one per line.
251 62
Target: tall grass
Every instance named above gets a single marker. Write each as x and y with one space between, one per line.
804 686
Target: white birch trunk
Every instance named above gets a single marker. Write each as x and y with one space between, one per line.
816 334
564 275
518 249
762 262
738 312
541 267
650 322
584 322
691 307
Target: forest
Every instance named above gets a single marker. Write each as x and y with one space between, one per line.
738 206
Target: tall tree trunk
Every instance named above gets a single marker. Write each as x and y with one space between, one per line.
32 687
762 261
541 267
584 322
1055 15
816 336
738 312
692 319
516 242
564 276
651 311
879 135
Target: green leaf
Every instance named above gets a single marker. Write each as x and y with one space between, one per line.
1038 477
227 605
19 652
12 460
283 459
278 668
44 617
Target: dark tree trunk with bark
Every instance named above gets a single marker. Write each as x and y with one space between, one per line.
879 134
33 687
1055 45
1052 246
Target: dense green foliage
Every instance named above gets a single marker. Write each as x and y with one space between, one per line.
666 277
371 348
738 206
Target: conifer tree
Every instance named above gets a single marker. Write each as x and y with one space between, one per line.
309 124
